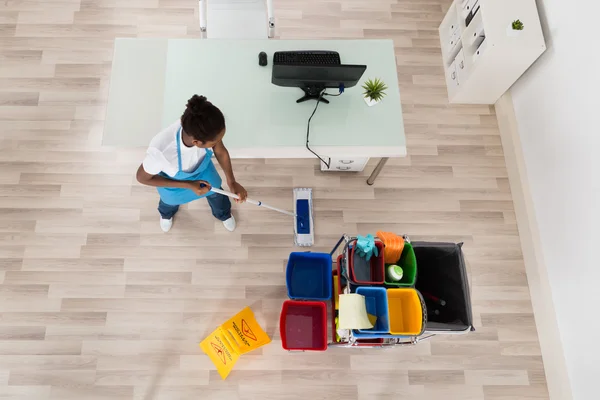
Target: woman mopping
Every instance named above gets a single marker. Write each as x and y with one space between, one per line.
178 163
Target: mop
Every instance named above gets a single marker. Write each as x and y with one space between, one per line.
303 227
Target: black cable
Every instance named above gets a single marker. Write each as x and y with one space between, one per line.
327 164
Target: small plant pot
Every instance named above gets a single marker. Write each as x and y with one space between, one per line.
370 102
510 31
513 32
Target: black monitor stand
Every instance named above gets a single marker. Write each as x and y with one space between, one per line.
313 93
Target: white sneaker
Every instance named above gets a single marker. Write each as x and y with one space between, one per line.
166 224
229 224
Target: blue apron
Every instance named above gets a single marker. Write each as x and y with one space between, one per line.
206 171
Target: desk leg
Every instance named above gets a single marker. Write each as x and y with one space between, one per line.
202 14
271 19
377 170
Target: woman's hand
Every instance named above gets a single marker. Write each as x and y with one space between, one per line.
200 187
239 190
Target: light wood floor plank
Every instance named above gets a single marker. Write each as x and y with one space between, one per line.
97 303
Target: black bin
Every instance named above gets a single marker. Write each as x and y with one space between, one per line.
442 280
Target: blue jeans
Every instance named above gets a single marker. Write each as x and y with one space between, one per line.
219 204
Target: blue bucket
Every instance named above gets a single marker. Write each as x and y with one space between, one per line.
377 305
309 276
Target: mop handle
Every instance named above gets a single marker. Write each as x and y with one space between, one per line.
256 203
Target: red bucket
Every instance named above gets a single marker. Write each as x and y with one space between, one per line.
303 325
370 272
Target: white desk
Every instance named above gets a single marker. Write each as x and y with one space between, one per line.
153 78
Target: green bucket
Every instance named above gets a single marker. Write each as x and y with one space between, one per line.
408 263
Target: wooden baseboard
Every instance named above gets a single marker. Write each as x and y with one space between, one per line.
555 366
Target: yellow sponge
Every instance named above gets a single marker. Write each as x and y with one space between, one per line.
372 318
336 294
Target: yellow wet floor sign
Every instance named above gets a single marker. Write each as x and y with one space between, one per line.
235 337
220 352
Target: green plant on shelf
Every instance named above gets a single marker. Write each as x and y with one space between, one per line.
374 89
517 25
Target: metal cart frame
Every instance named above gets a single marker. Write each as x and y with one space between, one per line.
354 341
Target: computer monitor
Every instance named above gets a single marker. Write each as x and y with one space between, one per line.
314 79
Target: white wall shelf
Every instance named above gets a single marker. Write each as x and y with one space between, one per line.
483 60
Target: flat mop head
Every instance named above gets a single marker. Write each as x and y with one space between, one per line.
303 226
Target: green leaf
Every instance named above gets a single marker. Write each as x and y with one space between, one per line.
517 25
374 89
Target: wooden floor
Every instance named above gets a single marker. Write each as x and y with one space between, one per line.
97 303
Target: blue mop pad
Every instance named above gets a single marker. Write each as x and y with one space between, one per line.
303 227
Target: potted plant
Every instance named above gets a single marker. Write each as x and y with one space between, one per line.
515 28
374 91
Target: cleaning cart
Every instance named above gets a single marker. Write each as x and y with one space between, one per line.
432 297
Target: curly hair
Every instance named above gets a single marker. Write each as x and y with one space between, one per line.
202 120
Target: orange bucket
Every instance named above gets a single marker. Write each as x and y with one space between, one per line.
405 312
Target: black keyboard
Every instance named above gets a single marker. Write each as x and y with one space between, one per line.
316 57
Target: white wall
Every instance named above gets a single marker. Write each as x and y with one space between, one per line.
557 106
